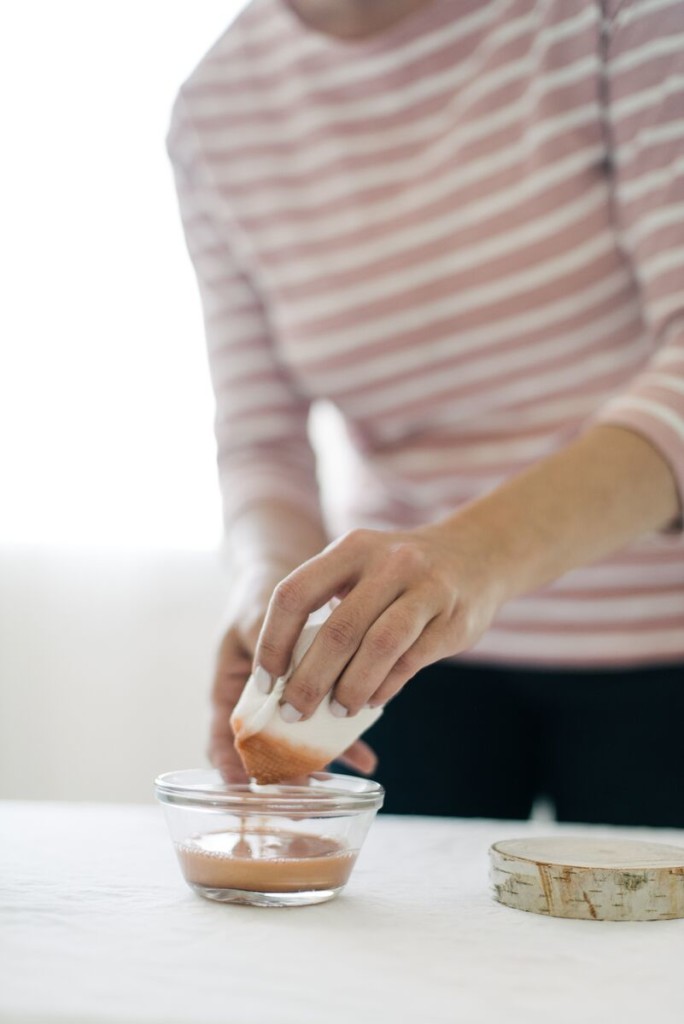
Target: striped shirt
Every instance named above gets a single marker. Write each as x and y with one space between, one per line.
467 232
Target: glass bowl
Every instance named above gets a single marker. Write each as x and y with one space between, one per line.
267 846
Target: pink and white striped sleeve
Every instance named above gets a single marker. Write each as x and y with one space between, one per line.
645 109
263 450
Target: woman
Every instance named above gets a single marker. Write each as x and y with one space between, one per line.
463 224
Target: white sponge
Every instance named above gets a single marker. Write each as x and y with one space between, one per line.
273 750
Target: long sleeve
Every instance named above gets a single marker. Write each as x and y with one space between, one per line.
644 68
263 450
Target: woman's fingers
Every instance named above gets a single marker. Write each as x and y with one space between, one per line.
221 751
225 758
361 757
334 647
425 651
233 665
387 641
308 588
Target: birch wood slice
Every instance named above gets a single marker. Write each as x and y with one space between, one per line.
594 879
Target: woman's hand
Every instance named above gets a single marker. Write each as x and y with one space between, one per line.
249 601
410 598
407 599
233 667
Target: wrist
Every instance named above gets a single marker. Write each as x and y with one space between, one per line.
477 557
267 541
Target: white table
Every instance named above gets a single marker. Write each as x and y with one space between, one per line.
98 926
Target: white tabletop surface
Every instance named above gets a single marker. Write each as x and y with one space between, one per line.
98 925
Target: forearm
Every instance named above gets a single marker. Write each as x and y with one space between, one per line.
598 494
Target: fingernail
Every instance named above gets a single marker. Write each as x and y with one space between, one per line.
262 680
337 709
289 713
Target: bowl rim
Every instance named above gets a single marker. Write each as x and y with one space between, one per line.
326 793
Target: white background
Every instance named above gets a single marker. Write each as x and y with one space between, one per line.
111 587
105 407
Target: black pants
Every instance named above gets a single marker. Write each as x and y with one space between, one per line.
604 747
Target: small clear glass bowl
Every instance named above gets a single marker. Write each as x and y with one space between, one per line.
267 846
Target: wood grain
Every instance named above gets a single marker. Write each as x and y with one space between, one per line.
594 879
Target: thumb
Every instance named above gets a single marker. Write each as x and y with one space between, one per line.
361 757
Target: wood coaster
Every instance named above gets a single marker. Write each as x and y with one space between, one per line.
595 879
